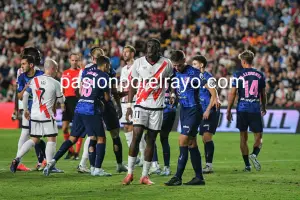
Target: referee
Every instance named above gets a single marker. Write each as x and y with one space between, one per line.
69 80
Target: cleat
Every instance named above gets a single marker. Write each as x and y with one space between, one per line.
83 170
49 167
100 172
92 170
128 179
121 168
247 169
145 180
69 155
41 166
174 181
255 162
195 181
56 170
154 170
22 167
14 165
76 156
207 170
165 172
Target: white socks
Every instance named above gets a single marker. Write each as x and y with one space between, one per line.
146 168
25 148
50 151
128 137
131 164
85 154
142 147
23 138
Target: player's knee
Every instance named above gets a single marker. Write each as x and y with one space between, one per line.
207 137
101 140
183 140
192 142
92 145
115 133
73 139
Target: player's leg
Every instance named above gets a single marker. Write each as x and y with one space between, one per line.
118 150
154 169
256 126
142 146
196 163
128 133
77 149
82 168
209 148
50 148
242 125
65 129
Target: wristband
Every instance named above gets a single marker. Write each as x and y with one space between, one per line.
173 95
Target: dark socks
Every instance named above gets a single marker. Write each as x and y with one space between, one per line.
256 151
40 151
92 154
210 149
118 149
155 157
196 162
246 160
63 149
166 151
182 160
100 153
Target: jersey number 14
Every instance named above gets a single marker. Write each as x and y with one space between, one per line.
253 90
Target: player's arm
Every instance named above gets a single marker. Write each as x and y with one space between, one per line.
59 97
25 105
231 98
263 95
132 90
123 94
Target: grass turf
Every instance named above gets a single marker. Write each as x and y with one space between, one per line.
279 178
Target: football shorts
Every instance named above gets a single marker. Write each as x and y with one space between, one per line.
149 119
124 110
168 121
110 116
210 125
45 128
251 120
190 119
25 122
70 105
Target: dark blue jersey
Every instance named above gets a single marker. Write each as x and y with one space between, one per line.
23 79
204 93
190 81
249 93
169 107
94 84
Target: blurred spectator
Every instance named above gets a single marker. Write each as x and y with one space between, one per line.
281 95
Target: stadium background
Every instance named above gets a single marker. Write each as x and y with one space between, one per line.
217 29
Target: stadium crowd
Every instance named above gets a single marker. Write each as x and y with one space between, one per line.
218 29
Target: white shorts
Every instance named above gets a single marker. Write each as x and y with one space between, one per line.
25 122
43 128
149 119
124 110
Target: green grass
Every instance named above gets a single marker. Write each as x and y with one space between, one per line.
279 178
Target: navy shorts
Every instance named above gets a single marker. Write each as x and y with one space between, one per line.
190 119
210 125
168 121
251 120
110 116
90 124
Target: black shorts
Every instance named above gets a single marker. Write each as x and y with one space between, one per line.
190 119
90 124
110 116
70 105
210 125
251 120
168 121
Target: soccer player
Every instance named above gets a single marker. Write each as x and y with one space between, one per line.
88 117
250 85
110 115
190 80
166 128
125 80
210 121
45 90
151 69
30 59
69 80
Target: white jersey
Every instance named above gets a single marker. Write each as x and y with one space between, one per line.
45 91
151 96
19 72
125 80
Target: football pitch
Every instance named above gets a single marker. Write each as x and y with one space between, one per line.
278 179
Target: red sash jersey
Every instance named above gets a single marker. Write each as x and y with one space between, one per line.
70 76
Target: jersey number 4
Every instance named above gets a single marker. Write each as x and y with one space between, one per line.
253 90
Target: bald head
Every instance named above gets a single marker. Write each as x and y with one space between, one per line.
50 67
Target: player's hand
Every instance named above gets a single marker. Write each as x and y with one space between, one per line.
206 114
129 114
27 115
263 112
15 115
120 113
217 103
229 116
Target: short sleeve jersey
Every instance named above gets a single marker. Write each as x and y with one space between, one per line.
249 92
151 85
